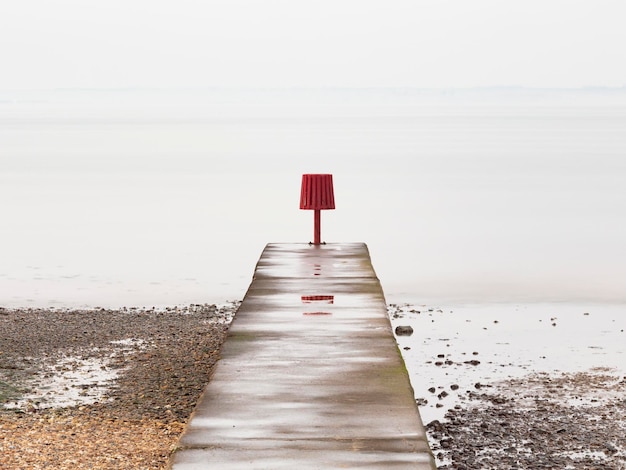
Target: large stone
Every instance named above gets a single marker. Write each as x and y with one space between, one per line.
404 330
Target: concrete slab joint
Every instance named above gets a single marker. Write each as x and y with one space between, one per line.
310 376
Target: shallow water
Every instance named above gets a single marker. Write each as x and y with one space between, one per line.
124 198
486 344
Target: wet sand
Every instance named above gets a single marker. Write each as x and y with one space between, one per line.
519 386
499 386
106 389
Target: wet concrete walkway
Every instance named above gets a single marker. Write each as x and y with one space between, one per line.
310 376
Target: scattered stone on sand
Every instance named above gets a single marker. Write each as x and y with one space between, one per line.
572 421
515 408
162 361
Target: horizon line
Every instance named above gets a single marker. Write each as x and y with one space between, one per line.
323 88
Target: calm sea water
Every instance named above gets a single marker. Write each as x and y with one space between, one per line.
123 198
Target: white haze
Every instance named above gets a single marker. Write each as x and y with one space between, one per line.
327 43
157 198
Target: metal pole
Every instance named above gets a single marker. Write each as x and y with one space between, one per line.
317 227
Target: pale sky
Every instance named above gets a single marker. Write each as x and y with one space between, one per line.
322 43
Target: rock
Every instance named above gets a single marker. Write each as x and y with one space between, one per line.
446 443
404 330
436 426
473 362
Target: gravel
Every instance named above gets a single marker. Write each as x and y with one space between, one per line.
102 388
565 421
528 386
127 381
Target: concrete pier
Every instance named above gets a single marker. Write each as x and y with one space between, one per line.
310 376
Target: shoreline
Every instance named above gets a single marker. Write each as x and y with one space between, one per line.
541 389
519 385
159 362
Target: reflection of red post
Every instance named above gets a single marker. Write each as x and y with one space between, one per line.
317 194
317 299
327 299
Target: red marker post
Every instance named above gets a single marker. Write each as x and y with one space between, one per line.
317 194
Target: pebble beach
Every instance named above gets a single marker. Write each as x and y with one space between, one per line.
518 386
101 388
498 386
